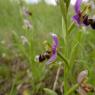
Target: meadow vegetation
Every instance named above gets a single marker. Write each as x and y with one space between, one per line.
19 73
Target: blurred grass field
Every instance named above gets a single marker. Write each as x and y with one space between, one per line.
17 64
44 19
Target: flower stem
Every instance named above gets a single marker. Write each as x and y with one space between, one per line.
72 89
63 58
70 27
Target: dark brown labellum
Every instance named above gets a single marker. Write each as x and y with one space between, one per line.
85 20
93 24
41 58
44 56
47 54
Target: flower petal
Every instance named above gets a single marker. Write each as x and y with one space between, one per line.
55 41
82 76
77 6
52 58
76 19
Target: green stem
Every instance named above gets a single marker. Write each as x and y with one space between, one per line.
63 58
72 89
71 27
13 86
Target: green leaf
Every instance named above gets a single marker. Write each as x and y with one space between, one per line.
63 9
72 89
73 53
49 91
71 27
63 58
67 4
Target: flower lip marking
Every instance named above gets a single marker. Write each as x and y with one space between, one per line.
43 57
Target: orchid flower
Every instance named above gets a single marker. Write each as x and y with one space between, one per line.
54 49
27 24
26 12
82 76
84 87
79 18
51 54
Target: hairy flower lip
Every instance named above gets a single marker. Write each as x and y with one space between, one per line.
54 48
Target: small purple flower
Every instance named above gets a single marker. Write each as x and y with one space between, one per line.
54 49
80 18
84 87
82 76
